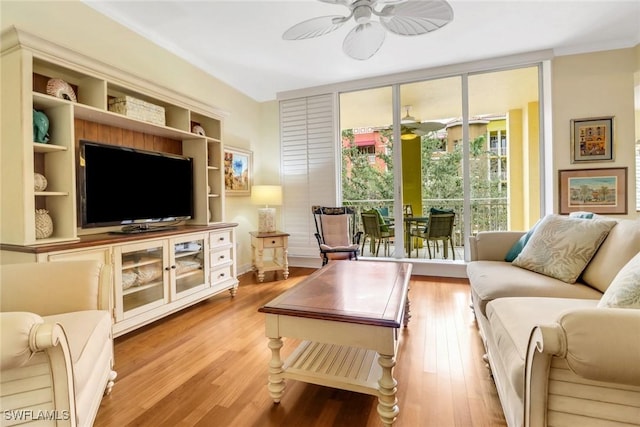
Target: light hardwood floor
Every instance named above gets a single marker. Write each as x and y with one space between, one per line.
207 366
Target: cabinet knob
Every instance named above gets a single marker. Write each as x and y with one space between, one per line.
221 275
273 242
221 239
221 257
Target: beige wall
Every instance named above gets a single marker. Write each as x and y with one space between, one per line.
594 85
249 124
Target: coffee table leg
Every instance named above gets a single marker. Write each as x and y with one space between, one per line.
387 401
276 381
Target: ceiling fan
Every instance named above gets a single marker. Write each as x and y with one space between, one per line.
403 17
411 127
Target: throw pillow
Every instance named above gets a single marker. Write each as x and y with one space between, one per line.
561 247
624 291
581 214
520 244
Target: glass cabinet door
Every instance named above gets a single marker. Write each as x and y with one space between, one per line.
188 264
142 278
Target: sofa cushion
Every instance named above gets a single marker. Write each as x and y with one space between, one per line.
561 247
622 244
87 333
498 279
624 291
512 320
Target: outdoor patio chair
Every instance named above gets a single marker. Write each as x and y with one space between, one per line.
439 229
377 231
336 232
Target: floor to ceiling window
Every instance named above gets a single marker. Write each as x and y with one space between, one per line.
498 138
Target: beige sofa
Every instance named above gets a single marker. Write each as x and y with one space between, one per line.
555 357
57 348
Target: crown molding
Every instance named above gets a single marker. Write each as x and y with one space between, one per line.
13 39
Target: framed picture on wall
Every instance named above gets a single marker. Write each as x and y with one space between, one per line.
592 139
238 165
602 191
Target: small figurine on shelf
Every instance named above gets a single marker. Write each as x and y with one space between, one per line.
198 130
44 224
39 182
40 127
61 89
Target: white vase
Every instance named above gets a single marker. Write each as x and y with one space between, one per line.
44 224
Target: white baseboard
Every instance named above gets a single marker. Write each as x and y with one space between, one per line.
456 269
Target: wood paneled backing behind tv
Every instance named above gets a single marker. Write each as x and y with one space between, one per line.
127 138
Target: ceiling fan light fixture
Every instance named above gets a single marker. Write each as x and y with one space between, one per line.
404 17
408 136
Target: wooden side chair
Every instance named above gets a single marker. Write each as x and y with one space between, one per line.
336 232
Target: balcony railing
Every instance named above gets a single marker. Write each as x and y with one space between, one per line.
487 214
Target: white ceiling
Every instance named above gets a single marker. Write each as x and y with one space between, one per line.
240 42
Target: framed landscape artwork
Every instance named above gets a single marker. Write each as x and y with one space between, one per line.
592 139
602 191
237 171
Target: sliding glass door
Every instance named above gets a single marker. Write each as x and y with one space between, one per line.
469 145
432 178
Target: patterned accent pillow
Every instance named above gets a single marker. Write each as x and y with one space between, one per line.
561 247
624 291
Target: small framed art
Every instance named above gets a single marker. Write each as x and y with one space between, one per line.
592 139
602 191
237 171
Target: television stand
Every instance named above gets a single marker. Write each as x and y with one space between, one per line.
143 228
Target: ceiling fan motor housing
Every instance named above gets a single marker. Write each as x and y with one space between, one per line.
362 13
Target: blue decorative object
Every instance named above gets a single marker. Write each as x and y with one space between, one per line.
40 127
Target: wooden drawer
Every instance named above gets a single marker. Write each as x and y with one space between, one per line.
220 257
222 238
220 275
273 242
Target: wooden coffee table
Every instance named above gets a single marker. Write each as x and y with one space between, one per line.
348 314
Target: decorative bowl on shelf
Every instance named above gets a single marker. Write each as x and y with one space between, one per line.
39 182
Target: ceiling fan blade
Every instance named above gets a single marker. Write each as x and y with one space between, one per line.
343 2
364 40
415 17
427 127
314 27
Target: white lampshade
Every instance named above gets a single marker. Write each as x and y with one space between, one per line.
266 195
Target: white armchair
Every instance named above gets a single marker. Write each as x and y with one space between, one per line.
56 357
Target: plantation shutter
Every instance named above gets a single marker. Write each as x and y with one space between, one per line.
309 153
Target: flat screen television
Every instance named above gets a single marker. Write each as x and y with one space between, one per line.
133 188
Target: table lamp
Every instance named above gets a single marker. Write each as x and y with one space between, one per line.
266 195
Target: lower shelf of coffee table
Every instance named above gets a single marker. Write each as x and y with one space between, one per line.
342 367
